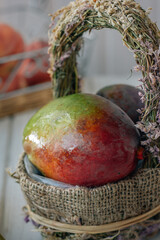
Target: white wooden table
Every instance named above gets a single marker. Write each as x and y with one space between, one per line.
12 225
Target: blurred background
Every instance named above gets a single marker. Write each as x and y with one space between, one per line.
25 85
103 60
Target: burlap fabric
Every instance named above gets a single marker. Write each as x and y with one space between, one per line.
93 206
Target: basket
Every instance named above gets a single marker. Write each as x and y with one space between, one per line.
107 206
112 207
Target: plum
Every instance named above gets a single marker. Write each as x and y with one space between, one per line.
126 97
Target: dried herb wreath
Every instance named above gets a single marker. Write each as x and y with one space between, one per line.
139 34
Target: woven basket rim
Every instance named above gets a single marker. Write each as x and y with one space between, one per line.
21 171
69 209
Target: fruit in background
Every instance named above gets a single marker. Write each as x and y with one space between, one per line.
82 139
126 97
36 72
11 42
32 71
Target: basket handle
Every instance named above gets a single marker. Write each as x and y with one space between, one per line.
137 30
139 34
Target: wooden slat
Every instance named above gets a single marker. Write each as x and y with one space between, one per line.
25 101
5 127
12 225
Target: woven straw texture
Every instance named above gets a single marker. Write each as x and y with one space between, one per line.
110 203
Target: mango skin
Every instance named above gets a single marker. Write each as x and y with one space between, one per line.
82 139
126 97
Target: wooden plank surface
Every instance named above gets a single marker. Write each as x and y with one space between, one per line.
12 225
5 126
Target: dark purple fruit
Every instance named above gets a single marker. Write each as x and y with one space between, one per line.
126 97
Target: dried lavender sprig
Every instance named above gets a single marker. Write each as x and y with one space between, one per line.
150 123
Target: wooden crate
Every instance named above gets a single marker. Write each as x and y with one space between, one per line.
25 99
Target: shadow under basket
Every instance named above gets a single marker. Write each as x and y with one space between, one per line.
92 210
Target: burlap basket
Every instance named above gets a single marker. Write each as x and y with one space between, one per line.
138 195
136 198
